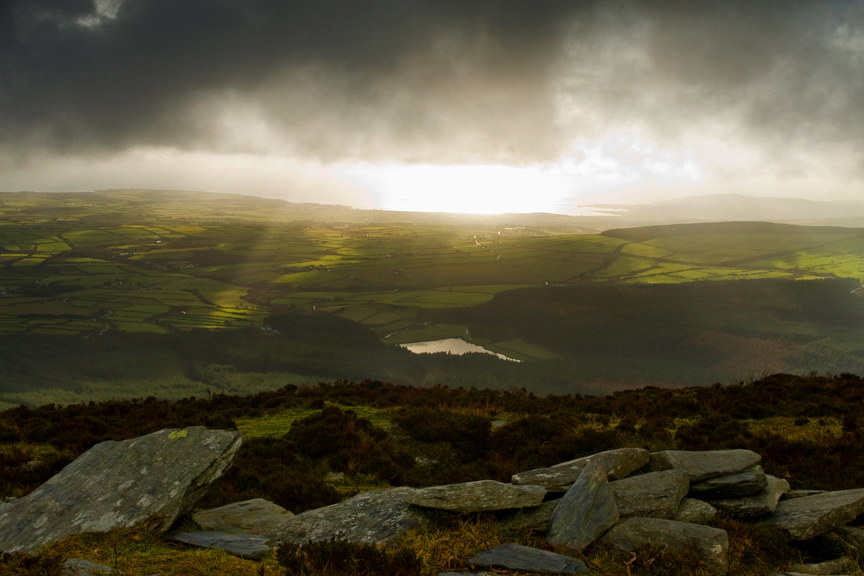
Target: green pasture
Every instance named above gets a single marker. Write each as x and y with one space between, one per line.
426 333
237 264
279 423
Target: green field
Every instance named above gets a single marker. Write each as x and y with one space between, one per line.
139 261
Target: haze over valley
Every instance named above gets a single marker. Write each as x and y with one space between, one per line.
427 287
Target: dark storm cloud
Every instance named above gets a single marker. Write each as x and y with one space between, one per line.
430 80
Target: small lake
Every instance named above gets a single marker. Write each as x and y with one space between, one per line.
451 345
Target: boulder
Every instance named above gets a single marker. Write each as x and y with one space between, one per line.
618 464
532 519
148 481
835 566
375 517
695 511
656 494
79 567
739 485
704 465
762 504
480 496
711 543
244 545
518 557
801 493
255 516
804 518
585 512
6 501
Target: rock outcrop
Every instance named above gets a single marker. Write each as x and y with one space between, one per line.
481 496
151 481
148 481
656 494
255 516
518 557
828 567
695 511
617 464
789 495
375 517
585 512
761 504
735 486
244 545
711 543
532 519
704 465
810 516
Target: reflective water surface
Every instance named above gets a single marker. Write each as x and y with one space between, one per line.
451 345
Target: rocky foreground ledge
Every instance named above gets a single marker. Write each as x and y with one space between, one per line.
627 498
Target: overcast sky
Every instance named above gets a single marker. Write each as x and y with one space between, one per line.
477 105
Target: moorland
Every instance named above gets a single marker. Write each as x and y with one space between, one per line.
310 446
133 293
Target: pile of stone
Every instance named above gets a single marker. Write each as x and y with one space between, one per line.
625 498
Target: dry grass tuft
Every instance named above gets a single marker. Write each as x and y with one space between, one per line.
451 540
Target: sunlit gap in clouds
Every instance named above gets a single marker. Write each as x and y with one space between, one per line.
590 173
613 169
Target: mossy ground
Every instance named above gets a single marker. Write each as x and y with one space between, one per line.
445 545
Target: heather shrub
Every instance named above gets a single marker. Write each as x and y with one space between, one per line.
273 468
468 435
336 557
661 561
19 564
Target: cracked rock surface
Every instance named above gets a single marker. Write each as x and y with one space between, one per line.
374 517
617 464
480 496
704 465
711 543
810 516
148 481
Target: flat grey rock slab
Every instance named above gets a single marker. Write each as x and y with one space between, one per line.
829 567
810 516
617 464
762 504
585 512
711 543
255 516
79 567
695 511
704 465
801 493
375 517
656 494
735 486
532 519
150 480
245 545
518 557
480 496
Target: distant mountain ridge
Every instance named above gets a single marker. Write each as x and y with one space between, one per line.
739 207
128 204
